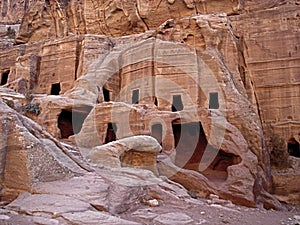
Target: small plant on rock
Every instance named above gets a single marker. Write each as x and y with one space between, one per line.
32 108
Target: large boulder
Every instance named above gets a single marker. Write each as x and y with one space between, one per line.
137 151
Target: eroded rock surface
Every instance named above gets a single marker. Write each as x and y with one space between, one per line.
137 152
212 83
53 19
270 50
29 156
285 182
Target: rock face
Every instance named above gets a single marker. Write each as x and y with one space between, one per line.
36 66
13 11
177 102
104 75
28 156
53 19
286 184
271 49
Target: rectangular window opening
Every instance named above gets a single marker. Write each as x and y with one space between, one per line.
213 100
4 77
135 96
177 103
106 95
111 133
55 89
156 132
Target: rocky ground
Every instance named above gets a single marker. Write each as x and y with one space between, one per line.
48 209
202 212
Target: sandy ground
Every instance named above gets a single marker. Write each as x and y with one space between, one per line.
216 214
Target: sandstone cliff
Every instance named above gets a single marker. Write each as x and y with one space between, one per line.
216 84
52 19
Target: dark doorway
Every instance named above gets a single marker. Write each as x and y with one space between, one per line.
177 103
106 95
111 133
190 143
176 127
70 121
213 100
156 132
4 77
155 101
135 96
293 148
192 148
65 124
55 89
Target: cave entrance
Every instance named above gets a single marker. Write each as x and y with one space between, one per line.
4 77
106 94
189 142
293 147
217 170
156 132
193 150
177 103
111 132
70 121
55 89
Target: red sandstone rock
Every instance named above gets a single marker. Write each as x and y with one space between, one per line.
28 156
53 19
137 152
172 72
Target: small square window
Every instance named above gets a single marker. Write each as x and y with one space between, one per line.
55 89
177 103
213 100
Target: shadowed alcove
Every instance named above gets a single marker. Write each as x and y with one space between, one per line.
55 89
106 94
111 133
156 132
4 77
191 145
293 148
70 120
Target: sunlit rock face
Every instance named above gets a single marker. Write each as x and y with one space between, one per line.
212 89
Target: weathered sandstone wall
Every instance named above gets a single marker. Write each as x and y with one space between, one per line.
271 53
136 64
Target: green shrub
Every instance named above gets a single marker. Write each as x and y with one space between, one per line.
32 108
